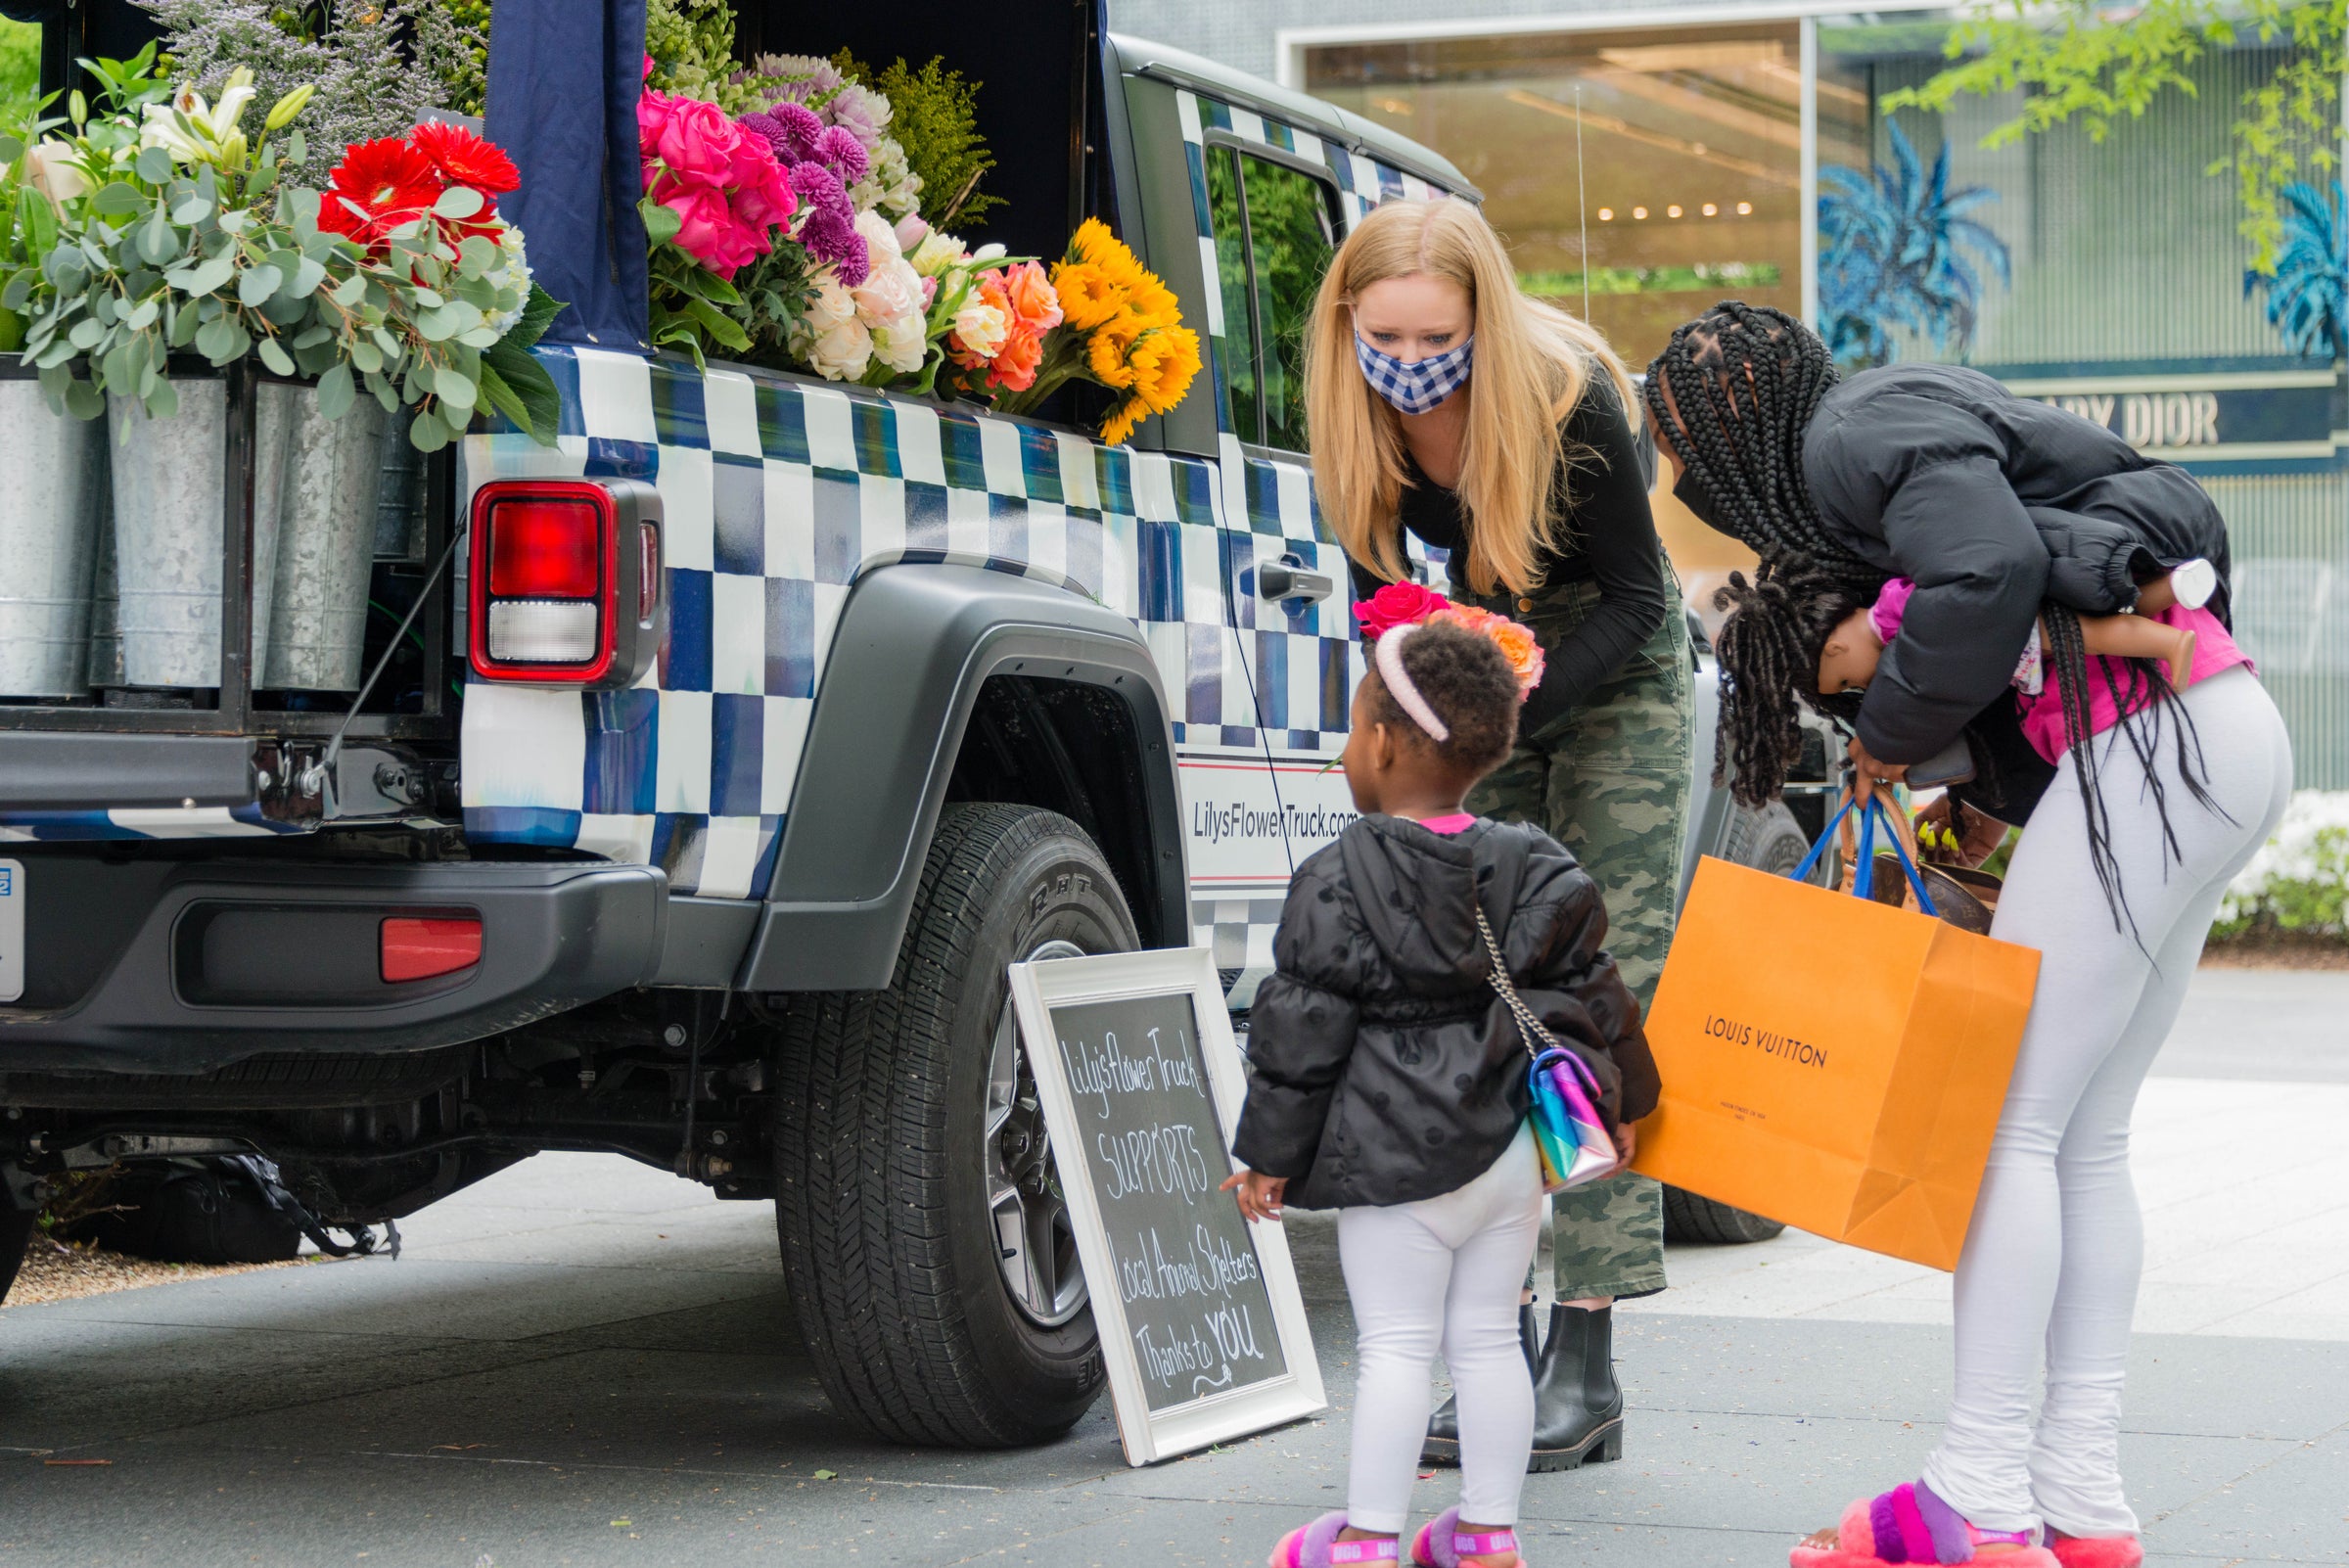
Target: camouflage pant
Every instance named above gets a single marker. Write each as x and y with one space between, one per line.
1610 781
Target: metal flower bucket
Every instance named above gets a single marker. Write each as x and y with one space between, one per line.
326 547
51 508
170 476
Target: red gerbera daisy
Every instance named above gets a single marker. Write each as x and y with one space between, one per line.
389 181
466 158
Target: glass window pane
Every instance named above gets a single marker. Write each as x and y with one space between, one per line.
1685 186
1235 358
20 67
1289 238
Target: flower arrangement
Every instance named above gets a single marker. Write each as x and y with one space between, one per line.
1120 328
1408 604
715 195
158 225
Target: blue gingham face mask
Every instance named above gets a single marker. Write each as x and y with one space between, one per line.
1414 389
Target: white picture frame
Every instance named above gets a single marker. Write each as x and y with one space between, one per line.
1149 1436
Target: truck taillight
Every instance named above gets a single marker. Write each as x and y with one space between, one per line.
566 580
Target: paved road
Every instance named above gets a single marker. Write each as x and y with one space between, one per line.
582 1361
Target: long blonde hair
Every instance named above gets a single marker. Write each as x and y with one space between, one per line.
1533 364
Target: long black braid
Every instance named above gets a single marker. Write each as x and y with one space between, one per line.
2141 688
1743 383
1768 650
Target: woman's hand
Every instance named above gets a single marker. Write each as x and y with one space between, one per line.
1870 769
1626 1146
1259 1194
1982 837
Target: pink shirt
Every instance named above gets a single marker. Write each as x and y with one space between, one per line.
1457 822
2043 712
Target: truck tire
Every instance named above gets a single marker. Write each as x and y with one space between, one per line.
16 1231
910 1146
1689 1217
1766 840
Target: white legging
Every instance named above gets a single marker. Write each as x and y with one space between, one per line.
2048 1276
1443 1274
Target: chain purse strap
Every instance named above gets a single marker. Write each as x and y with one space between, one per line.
1529 1028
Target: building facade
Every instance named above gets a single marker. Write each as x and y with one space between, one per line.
1645 160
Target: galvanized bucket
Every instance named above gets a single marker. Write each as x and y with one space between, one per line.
168 478
326 547
50 506
399 499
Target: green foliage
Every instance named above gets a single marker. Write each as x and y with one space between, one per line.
2083 62
935 119
2313 897
149 250
465 66
375 68
692 45
20 66
774 291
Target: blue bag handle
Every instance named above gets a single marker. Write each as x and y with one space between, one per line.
1864 874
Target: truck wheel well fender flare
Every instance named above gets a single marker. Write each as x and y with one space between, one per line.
916 646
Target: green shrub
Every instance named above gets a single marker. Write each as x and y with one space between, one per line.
2301 880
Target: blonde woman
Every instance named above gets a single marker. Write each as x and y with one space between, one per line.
1446 403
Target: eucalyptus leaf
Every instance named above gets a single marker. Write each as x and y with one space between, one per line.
459 201
454 388
428 434
383 391
142 315
274 356
307 275
366 355
162 399
336 392
153 166
254 285
84 400
118 199
191 210
86 332
351 291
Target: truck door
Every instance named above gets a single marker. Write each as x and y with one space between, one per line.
1274 217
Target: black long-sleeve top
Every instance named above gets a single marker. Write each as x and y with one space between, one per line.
1603 534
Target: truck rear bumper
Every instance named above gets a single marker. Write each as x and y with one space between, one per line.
184 968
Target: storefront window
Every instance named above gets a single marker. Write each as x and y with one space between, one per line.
1686 185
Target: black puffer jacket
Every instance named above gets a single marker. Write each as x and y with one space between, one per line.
1992 502
1386 1069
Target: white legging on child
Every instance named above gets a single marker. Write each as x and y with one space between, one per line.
2048 1276
1443 1274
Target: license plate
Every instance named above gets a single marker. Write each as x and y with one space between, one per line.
12 929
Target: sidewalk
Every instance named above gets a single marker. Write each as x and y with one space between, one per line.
585 1362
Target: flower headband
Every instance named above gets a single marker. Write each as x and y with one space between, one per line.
1399 609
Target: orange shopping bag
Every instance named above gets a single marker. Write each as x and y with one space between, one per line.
1833 1062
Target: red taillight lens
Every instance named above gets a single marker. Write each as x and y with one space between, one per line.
545 548
423 948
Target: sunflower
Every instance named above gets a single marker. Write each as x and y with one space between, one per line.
1119 427
1105 352
1152 300
1087 296
1092 241
1173 362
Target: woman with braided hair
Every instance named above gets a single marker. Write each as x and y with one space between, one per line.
2009 522
1527 474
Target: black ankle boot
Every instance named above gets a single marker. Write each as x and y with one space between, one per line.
1443 1446
1578 1405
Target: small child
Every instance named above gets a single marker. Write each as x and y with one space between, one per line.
1388 1083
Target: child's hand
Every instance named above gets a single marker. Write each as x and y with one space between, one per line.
1259 1194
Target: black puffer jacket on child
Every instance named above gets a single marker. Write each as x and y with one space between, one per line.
1386 1069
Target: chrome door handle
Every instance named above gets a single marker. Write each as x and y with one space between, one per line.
1279 580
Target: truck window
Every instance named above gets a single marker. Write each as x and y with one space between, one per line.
1273 239
20 69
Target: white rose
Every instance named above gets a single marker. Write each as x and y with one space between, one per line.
830 305
842 352
891 290
902 342
880 238
982 327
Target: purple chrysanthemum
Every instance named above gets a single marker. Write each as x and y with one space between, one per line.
769 130
839 150
803 129
829 232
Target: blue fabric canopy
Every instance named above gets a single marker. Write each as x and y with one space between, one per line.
564 79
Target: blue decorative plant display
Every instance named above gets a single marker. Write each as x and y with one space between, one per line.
1897 253
2306 293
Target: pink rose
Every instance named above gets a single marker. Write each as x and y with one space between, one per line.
723 182
1035 303
1398 604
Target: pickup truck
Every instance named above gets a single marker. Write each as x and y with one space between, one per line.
896 693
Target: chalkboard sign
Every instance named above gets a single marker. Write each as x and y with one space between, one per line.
1201 1325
